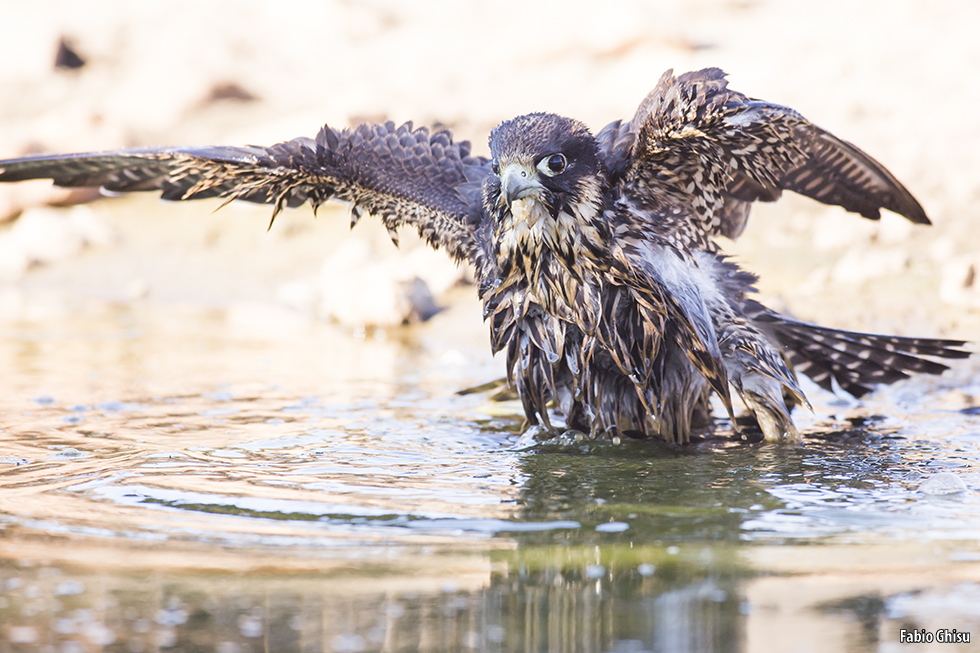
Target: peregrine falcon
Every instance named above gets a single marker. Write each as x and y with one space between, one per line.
596 256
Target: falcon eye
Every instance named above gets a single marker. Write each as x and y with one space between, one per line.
553 165
495 167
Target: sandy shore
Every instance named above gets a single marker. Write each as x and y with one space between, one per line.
897 78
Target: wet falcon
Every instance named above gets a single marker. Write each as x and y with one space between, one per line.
596 255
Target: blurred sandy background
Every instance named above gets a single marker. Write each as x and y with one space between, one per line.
897 77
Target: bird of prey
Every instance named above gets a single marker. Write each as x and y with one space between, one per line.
596 256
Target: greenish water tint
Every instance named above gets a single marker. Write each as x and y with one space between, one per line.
236 493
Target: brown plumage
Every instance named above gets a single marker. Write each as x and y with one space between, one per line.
595 255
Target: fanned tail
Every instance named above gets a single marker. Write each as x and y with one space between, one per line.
856 361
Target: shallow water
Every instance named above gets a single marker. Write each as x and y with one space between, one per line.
245 479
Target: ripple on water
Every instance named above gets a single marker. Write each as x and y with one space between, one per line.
346 471
403 459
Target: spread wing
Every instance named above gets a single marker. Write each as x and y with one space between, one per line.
696 143
401 175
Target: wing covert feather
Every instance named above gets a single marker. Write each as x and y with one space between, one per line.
699 144
400 174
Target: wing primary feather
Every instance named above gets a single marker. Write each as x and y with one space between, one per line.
695 143
404 175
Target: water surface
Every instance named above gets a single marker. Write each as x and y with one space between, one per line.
247 479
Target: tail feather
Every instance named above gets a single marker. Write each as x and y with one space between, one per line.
856 361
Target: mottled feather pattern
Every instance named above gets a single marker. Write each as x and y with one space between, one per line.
596 256
402 175
836 172
854 361
693 135
713 150
675 314
615 143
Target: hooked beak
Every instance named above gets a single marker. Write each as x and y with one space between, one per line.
517 182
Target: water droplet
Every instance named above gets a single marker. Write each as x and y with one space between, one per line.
943 483
595 571
68 453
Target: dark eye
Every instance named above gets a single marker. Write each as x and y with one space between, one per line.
553 164
495 167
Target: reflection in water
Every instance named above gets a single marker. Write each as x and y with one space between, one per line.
588 608
238 493
567 602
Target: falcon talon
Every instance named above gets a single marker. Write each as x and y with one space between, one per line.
595 254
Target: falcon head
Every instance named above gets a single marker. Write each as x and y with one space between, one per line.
544 158
546 185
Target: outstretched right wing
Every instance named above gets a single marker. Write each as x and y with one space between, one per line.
401 175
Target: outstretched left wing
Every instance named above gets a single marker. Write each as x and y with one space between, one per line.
696 143
402 175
